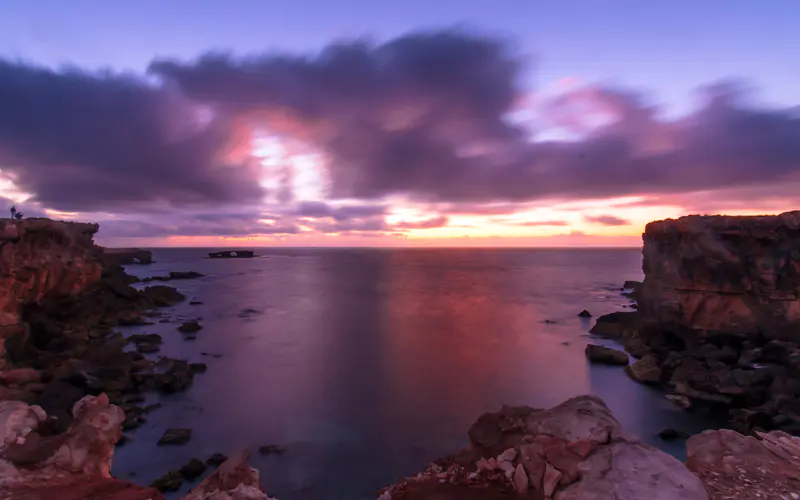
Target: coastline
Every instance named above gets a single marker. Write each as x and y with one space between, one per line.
109 302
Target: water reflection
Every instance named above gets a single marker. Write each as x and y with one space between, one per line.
368 363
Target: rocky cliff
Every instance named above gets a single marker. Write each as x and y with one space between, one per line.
43 258
720 274
719 316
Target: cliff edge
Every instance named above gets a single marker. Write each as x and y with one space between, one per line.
724 274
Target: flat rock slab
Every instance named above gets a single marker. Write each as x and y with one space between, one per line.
734 466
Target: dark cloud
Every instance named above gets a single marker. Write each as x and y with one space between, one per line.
317 209
607 220
425 116
81 141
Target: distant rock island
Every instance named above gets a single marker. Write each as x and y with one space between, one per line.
232 254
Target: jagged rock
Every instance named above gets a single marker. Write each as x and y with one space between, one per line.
552 476
605 355
645 370
86 449
234 478
745 467
584 314
175 436
520 479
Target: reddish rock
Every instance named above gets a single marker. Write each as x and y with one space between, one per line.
738 275
745 467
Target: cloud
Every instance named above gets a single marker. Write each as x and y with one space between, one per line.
431 223
316 209
607 220
82 141
537 223
424 116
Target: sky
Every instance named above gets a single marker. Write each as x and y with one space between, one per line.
415 123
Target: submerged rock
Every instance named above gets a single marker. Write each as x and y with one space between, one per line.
193 469
175 436
171 481
272 449
190 327
584 314
605 355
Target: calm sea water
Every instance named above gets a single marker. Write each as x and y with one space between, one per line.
368 363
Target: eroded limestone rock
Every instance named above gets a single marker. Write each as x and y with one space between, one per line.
576 450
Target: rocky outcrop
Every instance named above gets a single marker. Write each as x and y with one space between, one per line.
718 322
733 466
576 450
720 274
126 256
42 258
75 465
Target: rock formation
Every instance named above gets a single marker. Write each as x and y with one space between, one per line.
75 465
574 451
720 274
42 258
719 316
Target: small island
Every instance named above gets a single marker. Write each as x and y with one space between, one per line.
232 254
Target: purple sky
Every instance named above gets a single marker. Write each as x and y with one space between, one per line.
665 50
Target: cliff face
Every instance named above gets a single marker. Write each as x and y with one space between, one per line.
721 274
44 258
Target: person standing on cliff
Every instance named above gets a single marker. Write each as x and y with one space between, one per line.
14 212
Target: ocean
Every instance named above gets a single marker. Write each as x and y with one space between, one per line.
368 363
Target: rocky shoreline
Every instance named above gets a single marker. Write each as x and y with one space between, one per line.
714 324
718 319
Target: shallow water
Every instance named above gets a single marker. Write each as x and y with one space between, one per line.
368 363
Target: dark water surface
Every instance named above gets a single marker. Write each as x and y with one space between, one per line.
368 363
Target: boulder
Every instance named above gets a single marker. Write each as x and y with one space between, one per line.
605 355
645 370
584 314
